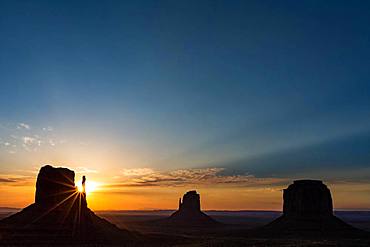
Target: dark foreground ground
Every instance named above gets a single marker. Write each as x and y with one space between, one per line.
141 220
234 230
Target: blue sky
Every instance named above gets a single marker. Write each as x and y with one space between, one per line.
269 88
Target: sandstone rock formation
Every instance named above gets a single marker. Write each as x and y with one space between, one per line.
308 212
53 185
190 202
59 216
307 198
189 212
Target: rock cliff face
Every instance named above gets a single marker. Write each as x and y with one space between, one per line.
308 212
189 212
190 202
59 216
54 186
307 198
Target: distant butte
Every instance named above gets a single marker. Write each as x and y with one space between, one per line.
308 212
59 216
189 212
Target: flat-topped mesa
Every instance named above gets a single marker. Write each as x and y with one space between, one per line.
307 198
308 212
56 186
190 201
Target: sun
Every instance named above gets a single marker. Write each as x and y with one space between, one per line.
90 186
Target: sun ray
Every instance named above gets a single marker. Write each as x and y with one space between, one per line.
52 208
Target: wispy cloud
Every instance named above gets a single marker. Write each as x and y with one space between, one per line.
6 180
48 128
23 126
28 140
21 137
16 180
137 172
8 146
146 177
84 170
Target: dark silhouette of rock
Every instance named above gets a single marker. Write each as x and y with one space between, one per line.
308 212
190 201
59 216
53 185
84 184
307 198
189 212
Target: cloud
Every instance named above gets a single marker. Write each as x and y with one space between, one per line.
28 140
137 172
51 142
6 180
48 128
30 143
16 180
146 177
84 170
23 126
8 146
14 139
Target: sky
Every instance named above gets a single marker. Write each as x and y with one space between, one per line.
150 99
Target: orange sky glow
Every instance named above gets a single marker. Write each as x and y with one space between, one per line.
135 189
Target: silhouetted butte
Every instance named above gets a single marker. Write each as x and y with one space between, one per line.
189 212
59 216
308 212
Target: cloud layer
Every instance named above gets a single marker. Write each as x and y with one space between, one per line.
146 177
16 180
